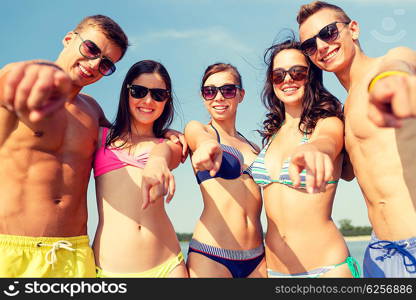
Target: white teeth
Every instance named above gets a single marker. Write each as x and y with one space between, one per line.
84 71
330 55
291 89
220 107
145 109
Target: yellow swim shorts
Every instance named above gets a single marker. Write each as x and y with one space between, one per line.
160 271
24 256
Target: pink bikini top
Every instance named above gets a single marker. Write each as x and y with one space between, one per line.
107 159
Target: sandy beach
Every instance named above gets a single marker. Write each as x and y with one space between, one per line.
357 238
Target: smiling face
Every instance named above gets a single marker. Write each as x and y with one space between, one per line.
145 111
334 56
290 91
84 71
221 108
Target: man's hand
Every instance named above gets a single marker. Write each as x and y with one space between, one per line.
392 99
318 165
157 182
178 137
36 89
208 156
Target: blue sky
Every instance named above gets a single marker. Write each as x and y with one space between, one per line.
187 36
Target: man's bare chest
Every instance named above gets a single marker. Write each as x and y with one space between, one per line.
70 130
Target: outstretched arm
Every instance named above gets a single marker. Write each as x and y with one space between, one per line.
177 137
207 152
392 92
157 178
33 89
318 156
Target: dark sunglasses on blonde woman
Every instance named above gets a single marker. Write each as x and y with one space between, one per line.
327 34
228 91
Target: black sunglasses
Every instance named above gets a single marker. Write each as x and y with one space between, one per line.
228 91
327 34
90 50
297 72
139 91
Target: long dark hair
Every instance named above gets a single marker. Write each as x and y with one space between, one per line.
317 102
121 127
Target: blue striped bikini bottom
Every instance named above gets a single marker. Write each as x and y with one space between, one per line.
240 263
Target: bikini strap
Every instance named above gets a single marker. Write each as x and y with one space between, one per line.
252 146
219 139
305 138
218 135
353 265
104 133
270 140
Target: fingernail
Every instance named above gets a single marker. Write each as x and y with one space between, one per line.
316 190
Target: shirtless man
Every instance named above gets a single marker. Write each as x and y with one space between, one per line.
382 158
48 132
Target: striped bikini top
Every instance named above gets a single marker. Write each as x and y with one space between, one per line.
260 174
231 165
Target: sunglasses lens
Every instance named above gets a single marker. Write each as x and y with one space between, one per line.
159 95
329 33
89 49
228 91
278 76
309 46
107 67
209 92
138 91
298 72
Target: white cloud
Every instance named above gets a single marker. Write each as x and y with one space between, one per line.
212 36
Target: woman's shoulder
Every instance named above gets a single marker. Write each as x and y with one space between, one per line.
329 121
329 127
193 127
194 124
